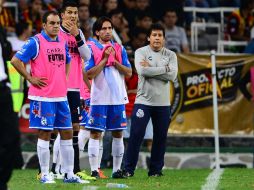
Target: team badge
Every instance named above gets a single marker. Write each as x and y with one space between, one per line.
140 113
43 121
91 120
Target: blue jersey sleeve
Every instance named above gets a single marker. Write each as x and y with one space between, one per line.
125 60
28 51
90 64
68 56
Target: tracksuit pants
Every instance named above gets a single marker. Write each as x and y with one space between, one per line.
161 117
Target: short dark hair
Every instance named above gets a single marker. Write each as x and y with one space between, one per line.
114 12
21 27
68 4
99 22
156 26
83 5
171 10
46 14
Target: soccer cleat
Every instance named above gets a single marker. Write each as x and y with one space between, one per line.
118 174
101 174
159 174
56 175
75 179
95 174
47 179
38 176
84 176
128 174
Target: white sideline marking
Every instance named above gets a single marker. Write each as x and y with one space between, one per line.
212 181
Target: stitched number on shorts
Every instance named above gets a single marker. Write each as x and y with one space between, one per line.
78 108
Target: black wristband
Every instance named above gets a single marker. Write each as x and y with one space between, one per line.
80 43
78 38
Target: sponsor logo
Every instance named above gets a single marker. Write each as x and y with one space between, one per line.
123 124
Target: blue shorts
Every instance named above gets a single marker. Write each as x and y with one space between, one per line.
107 117
50 115
85 113
74 102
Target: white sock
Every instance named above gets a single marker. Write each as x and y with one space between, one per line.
43 155
83 137
117 153
100 151
56 149
58 163
93 153
67 157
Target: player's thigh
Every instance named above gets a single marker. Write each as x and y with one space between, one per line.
42 115
116 118
97 118
63 116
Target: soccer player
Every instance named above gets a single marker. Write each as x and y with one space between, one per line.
49 109
107 68
78 51
84 134
156 67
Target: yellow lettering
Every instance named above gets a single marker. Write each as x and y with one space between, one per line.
201 88
230 82
226 83
192 92
223 84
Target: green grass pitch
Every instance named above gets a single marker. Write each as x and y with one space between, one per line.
185 179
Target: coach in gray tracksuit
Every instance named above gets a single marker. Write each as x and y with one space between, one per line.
156 67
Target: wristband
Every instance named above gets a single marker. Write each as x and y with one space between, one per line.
80 43
78 38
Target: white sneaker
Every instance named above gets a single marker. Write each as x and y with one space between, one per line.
56 175
75 179
46 178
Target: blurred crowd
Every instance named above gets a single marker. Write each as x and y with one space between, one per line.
131 19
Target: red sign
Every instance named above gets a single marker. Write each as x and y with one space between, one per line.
24 118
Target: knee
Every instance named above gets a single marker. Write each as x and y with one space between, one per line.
75 126
44 135
95 134
66 134
117 134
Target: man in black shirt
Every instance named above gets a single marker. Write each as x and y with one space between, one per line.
9 135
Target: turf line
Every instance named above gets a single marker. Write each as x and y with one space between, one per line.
212 181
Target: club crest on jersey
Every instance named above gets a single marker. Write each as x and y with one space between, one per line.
44 121
91 120
140 113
